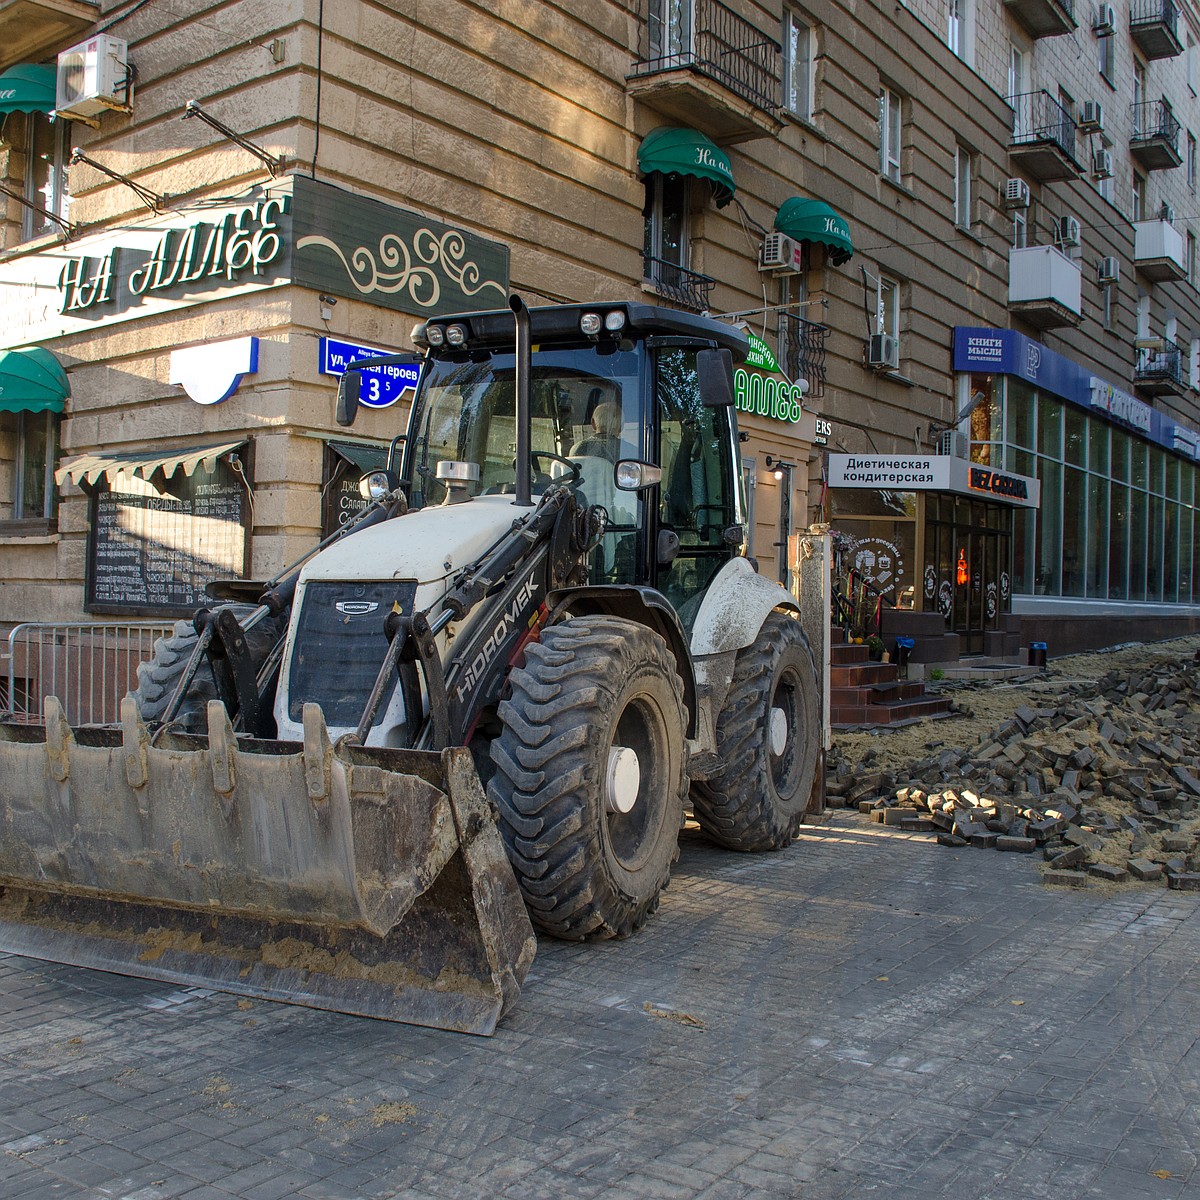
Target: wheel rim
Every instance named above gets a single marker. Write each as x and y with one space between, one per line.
785 720
639 737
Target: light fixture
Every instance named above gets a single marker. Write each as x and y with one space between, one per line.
274 162
781 468
152 200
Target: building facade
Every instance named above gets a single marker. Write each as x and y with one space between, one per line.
907 205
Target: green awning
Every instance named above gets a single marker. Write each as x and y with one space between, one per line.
359 454
27 87
676 151
32 381
815 221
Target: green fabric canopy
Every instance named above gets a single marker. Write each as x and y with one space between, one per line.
677 151
32 381
27 87
815 221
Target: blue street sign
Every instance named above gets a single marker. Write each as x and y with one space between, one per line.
381 385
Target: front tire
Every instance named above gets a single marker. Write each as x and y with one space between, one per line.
768 737
589 780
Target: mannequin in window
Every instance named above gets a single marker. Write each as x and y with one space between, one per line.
604 439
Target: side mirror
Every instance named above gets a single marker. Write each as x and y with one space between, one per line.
349 390
714 370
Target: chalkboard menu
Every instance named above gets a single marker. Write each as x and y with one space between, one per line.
345 465
151 553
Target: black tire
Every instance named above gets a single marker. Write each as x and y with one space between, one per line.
758 799
159 676
593 684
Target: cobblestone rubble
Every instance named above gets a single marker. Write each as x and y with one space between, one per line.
1105 782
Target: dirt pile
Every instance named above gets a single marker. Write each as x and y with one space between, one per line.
1101 774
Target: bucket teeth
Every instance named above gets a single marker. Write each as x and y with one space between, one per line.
221 752
318 755
135 739
59 740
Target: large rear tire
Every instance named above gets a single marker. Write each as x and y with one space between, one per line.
159 676
768 737
590 779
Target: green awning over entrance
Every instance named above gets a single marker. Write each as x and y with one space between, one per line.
32 381
27 87
677 151
815 221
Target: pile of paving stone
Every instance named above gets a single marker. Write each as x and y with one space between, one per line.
1105 784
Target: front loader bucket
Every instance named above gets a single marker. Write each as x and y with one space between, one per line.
367 881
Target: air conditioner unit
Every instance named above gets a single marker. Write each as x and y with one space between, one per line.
1091 117
883 352
1067 231
1102 164
1166 213
780 255
1108 270
1106 20
1016 193
952 442
93 78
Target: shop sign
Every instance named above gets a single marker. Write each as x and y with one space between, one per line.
908 472
381 386
363 249
997 483
244 242
1121 406
824 432
760 355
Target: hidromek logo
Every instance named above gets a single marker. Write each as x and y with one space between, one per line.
356 608
505 624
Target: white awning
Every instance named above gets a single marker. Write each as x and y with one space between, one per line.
88 469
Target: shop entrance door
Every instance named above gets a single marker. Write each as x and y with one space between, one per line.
968 544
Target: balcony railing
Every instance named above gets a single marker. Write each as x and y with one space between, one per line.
1159 368
803 351
707 37
688 289
1043 136
1154 25
1155 138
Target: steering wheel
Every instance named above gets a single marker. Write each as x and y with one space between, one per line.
536 455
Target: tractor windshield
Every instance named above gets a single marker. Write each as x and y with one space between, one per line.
586 409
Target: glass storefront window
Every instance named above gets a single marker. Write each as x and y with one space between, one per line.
1118 542
1074 531
1171 488
1170 584
986 440
1048 580
1076 441
1157 470
1024 532
1049 427
1019 410
1120 456
1154 552
1097 536
1185 569
1097 447
1137 539
1137 463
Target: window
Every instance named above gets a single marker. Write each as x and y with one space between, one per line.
1139 198
1016 71
1194 364
1108 300
887 310
1191 258
1139 95
48 150
889 134
1020 231
1191 162
1191 63
1105 49
797 66
34 438
963 170
666 227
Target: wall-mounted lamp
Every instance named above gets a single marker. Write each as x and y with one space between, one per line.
780 467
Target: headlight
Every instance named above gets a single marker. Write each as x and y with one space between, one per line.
435 335
614 322
633 476
375 485
456 335
590 324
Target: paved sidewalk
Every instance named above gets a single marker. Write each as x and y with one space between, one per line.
865 1014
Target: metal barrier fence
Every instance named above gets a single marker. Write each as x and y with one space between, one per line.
88 666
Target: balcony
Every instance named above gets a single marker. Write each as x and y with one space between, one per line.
1159 369
688 289
1154 25
1043 137
1155 138
29 29
802 346
1158 251
1043 18
700 64
1044 287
